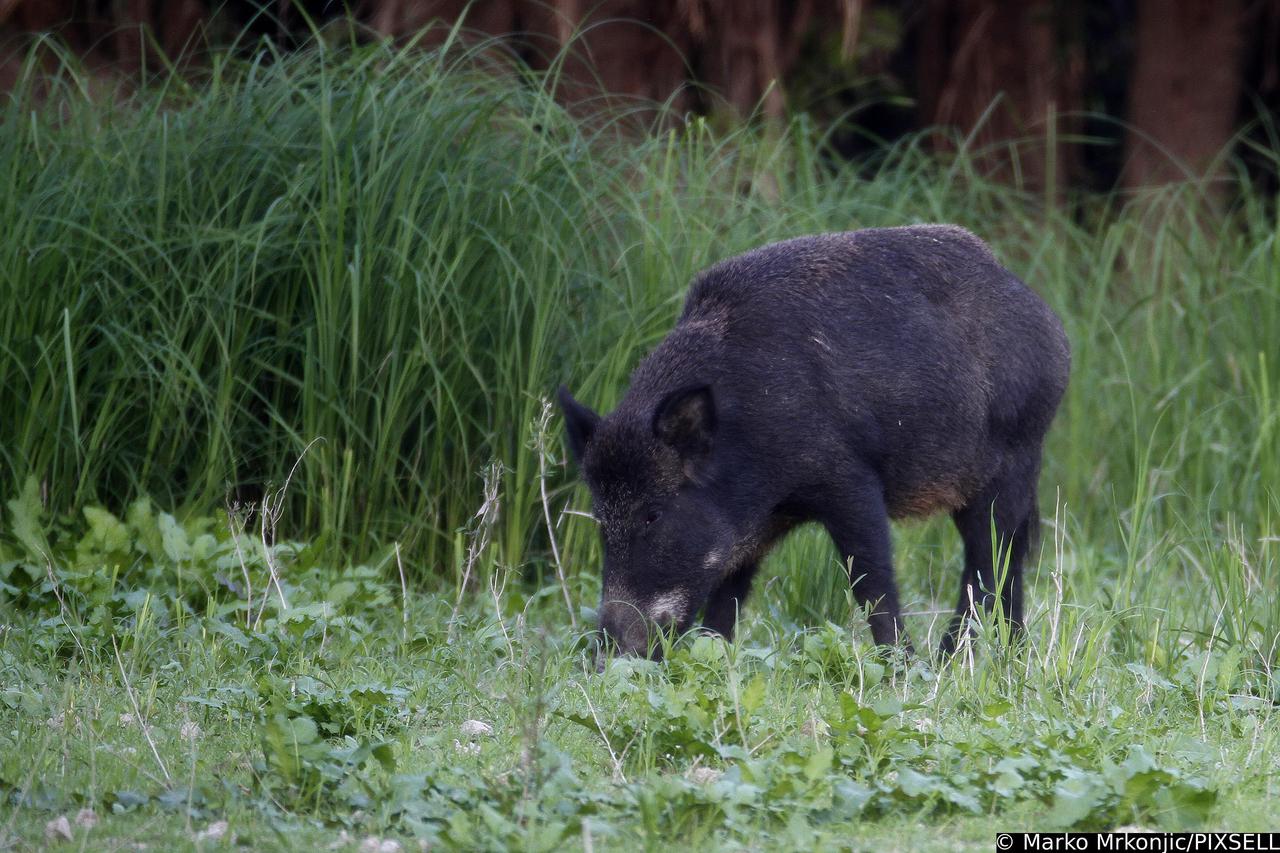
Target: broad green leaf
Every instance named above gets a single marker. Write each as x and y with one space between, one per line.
1183 806
173 538
753 694
141 519
850 797
915 784
340 592
819 762
1074 799
26 515
106 535
1008 777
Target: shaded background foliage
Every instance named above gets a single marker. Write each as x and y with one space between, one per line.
1159 88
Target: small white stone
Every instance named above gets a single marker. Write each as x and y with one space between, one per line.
190 731
87 818
126 719
373 844
476 728
704 775
213 832
468 748
58 829
814 727
57 721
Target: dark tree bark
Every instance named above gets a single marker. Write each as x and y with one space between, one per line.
7 8
624 49
635 53
652 50
747 50
404 18
46 15
633 50
1002 72
1184 91
180 24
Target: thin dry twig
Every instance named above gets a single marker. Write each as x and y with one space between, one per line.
62 604
237 531
480 534
269 518
404 597
613 756
137 712
540 445
496 591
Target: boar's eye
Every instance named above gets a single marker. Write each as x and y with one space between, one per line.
652 516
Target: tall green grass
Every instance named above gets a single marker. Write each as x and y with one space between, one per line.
374 265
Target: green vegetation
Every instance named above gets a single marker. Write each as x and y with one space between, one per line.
305 313
147 681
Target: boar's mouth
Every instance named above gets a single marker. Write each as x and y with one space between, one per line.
668 608
633 630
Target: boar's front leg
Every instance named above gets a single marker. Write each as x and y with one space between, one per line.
858 521
1009 505
721 613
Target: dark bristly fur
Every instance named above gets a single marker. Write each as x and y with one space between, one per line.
843 378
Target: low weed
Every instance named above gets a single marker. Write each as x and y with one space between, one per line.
141 680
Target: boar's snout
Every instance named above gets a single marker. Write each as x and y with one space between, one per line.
626 628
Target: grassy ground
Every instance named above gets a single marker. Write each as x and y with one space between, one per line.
361 274
166 698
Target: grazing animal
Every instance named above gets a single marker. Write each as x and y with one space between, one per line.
844 378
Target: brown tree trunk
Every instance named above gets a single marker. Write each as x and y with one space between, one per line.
632 52
404 18
746 51
180 22
1184 90
648 49
7 8
132 27
1000 73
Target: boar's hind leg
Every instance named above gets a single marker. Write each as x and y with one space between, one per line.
721 614
858 521
1008 503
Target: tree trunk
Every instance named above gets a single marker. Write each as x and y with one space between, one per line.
405 18
1000 73
180 21
1184 90
632 52
745 52
133 30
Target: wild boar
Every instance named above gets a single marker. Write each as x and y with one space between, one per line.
848 379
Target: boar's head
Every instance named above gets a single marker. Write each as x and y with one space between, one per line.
665 533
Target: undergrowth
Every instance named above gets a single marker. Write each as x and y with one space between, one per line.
168 677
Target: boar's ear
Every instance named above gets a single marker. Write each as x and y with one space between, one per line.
579 421
686 420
